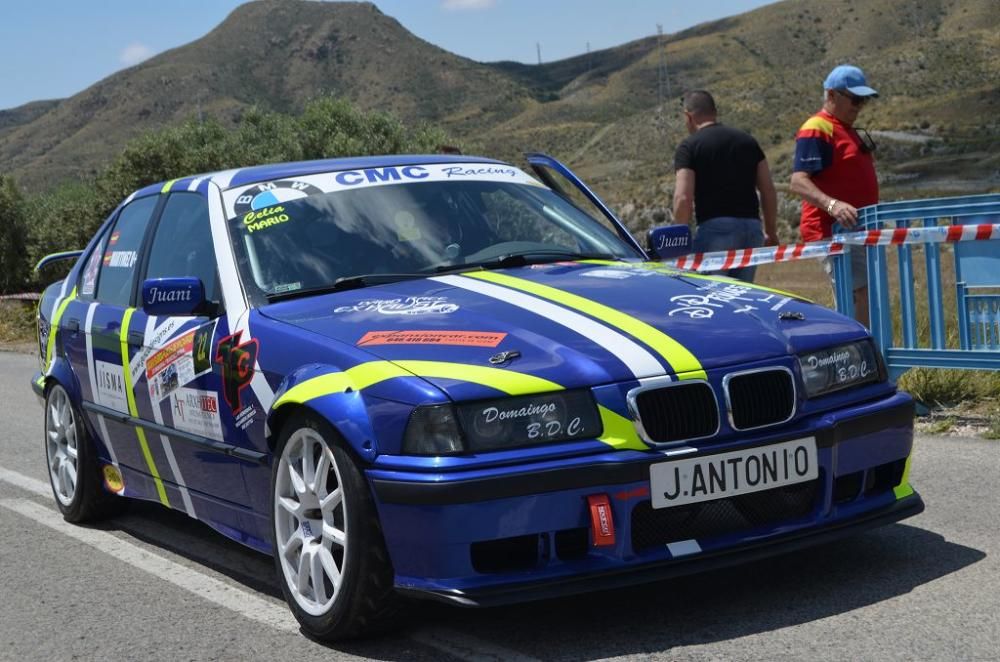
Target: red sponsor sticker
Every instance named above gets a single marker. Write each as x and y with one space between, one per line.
467 338
602 523
114 238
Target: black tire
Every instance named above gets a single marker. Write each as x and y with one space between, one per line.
88 501
365 602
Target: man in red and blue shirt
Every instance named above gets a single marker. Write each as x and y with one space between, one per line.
834 169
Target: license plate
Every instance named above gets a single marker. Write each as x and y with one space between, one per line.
723 475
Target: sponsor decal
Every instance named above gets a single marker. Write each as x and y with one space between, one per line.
465 338
113 479
171 366
203 348
122 259
246 417
602 528
254 221
271 194
240 200
237 361
407 306
718 294
197 411
89 283
110 381
160 295
114 238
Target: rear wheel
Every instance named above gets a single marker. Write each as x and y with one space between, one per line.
74 469
328 545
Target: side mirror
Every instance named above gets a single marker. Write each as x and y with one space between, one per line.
668 241
174 296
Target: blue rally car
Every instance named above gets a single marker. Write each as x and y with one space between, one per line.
443 377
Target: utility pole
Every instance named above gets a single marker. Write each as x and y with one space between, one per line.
538 47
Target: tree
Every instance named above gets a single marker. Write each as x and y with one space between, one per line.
13 254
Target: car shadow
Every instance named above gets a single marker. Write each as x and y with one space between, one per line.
724 604
719 605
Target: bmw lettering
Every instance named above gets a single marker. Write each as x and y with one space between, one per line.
444 378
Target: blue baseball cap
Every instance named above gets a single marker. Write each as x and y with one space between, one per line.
850 78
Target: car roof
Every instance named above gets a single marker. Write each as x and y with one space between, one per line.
252 174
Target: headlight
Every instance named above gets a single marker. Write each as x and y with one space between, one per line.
840 367
502 423
433 430
531 419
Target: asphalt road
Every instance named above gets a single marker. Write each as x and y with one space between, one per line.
155 585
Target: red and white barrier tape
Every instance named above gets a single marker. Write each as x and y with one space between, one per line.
749 257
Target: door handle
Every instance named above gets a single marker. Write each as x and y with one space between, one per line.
73 325
135 338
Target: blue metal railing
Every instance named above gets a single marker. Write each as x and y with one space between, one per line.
976 341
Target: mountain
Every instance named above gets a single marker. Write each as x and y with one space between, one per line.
611 114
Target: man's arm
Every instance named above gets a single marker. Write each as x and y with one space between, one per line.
768 203
684 196
803 186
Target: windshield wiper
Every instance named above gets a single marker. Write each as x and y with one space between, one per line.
526 258
345 283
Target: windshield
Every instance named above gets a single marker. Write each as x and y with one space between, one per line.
374 234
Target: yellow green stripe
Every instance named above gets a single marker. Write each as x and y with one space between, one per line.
904 489
619 432
134 411
50 346
683 362
166 187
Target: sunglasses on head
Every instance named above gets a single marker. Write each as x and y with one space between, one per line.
855 100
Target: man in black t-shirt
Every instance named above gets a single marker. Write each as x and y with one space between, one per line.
720 170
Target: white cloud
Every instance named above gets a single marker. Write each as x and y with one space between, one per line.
463 5
135 53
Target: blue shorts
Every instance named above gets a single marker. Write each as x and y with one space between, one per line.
725 233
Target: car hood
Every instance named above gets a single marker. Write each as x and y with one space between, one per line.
576 324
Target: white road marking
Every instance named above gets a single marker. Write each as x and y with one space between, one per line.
242 602
466 647
39 487
453 643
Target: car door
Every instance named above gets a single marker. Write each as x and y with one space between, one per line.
179 382
97 342
563 181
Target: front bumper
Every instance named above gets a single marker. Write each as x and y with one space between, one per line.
521 533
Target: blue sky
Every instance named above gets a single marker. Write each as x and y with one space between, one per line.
56 48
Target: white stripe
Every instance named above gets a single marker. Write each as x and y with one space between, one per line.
683 548
193 186
466 647
204 586
641 362
237 312
158 417
222 179
38 487
88 327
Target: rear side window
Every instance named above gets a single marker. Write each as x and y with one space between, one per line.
182 245
114 284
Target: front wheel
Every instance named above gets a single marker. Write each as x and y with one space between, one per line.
74 469
328 544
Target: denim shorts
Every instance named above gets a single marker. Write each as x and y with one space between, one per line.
725 233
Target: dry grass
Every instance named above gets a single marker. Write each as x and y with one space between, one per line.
17 323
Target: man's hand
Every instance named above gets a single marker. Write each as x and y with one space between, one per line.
770 239
844 214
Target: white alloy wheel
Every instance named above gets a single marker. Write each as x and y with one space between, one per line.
310 521
61 445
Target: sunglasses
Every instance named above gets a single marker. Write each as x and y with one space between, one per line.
856 101
867 142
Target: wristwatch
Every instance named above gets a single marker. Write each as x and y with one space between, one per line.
830 205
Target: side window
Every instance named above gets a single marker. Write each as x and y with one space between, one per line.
88 278
114 283
511 219
182 245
